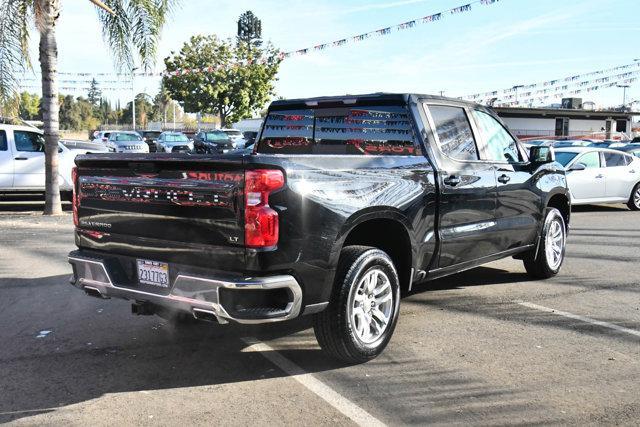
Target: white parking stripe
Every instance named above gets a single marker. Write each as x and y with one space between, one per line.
335 399
581 318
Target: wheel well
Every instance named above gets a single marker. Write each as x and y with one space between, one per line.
561 202
390 236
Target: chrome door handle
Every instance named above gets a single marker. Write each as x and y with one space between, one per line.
600 176
504 179
452 180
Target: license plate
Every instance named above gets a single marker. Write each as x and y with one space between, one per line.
153 273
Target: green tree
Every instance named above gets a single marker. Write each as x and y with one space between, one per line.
128 26
144 109
29 108
249 29
95 94
237 82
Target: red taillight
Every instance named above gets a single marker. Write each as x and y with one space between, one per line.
260 221
75 199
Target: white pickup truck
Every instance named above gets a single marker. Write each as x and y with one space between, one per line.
22 159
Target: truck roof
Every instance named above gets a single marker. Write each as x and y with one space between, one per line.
361 99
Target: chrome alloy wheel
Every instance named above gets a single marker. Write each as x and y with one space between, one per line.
636 197
371 306
554 243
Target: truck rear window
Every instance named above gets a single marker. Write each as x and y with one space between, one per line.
370 130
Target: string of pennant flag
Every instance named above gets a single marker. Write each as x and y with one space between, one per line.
428 19
574 88
352 39
569 80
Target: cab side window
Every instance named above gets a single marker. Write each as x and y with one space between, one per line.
614 159
3 141
501 147
590 160
454 132
28 141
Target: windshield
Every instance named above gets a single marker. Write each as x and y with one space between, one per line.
564 157
233 132
215 136
176 138
127 137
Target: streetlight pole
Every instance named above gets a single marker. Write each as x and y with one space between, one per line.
624 94
133 103
174 115
516 87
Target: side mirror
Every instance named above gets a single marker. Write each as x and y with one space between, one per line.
542 154
578 167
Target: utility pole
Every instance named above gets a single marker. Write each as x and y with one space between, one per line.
516 87
174 114
624 94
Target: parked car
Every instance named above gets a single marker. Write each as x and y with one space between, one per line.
608 144
347 201
126 142
102 136
173 142
22 160
212 142
150 137
633 149
598 175
236 137
571 143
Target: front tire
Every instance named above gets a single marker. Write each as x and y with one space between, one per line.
551 249
363 311
634 200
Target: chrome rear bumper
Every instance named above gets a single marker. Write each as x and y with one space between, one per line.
199 296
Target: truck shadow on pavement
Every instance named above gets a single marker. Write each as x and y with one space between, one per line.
62 348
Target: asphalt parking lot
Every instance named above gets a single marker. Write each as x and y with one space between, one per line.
487 346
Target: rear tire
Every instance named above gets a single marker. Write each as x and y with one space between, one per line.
634 199
363 310
550 252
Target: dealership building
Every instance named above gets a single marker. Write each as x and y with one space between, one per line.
570 119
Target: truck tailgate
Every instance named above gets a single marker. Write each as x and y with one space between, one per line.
168 207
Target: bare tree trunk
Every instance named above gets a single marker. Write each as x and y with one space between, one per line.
49 11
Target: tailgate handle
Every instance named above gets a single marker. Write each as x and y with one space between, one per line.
21 158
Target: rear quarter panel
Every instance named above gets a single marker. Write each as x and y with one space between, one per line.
327 196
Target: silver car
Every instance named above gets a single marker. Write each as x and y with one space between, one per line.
126 142
600 175
173 142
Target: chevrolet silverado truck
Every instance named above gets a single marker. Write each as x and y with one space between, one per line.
345 204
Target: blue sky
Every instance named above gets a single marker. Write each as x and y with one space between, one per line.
498 46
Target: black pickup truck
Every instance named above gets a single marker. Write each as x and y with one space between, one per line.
345 203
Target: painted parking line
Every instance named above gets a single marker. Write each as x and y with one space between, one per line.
581 318
335 399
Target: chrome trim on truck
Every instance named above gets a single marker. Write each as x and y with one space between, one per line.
188 293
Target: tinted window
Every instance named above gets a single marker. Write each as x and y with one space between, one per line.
590 160
454 132
28 141
501 147
370 130
288 132
615 159
3 141
364 130
564 157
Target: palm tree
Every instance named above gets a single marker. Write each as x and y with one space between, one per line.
131 28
